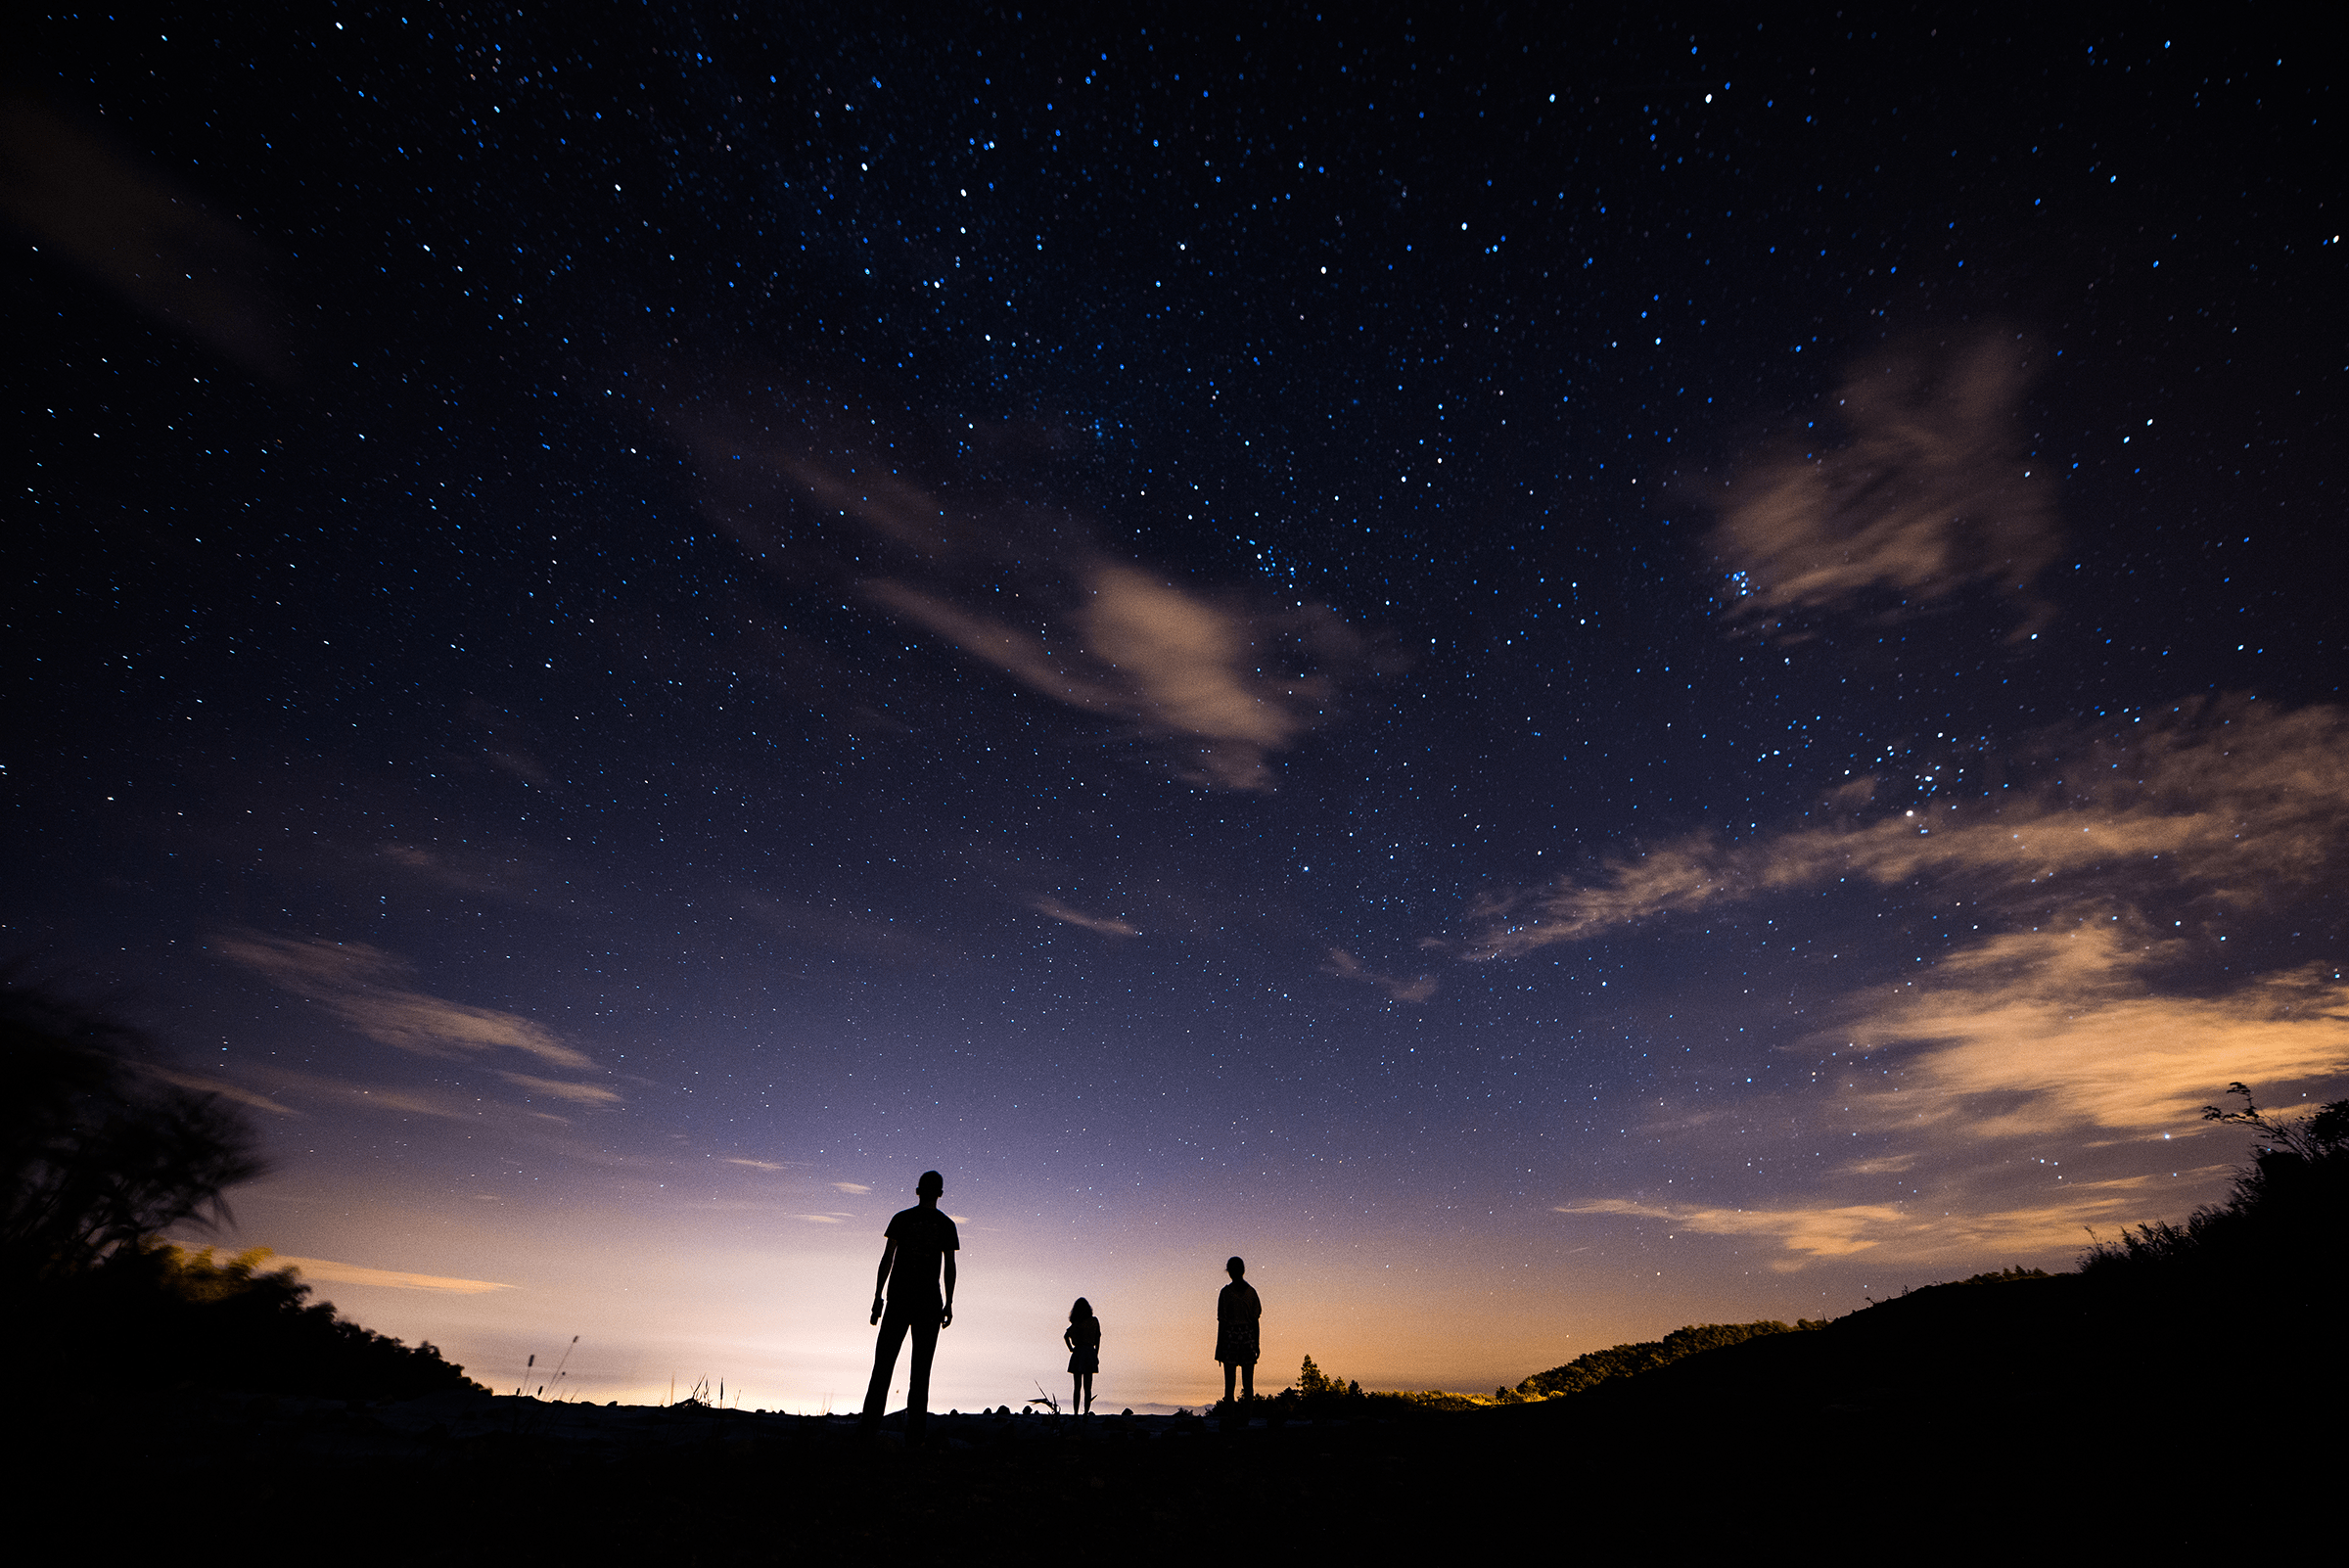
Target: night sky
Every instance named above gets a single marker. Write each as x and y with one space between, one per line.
1555 680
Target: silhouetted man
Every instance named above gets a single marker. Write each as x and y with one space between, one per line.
921 1243
1237 1312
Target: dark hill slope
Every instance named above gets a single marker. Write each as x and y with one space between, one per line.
1974 1351
2057 1408
2234 1314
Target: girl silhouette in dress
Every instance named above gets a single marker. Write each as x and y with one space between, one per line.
1083 1339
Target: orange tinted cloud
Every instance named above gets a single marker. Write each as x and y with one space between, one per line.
1814 1232
1918 1231
2053 1036
1929 490
325 1271
2071 1036
2051 1031
2228 801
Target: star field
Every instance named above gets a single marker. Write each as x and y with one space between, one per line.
1555 678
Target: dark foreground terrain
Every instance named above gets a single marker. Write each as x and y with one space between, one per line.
2046 1414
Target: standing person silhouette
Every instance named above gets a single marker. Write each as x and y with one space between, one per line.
921 1243
1083 1339
1237 1310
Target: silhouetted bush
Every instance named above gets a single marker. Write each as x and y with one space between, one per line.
154 1314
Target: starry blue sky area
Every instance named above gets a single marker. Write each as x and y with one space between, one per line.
551 503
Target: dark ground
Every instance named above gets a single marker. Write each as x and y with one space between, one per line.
2036 1415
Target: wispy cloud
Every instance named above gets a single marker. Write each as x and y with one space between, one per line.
152 242
1345 966
823 1218
2053 1039
1219 681
226 1090
469 870
1104 924
576 1093
363 985
1929 490
324 1271
2071 1021
447 1104
756 1164
857 1187
867 934
1822 1232
1894 1233
2227 801
1228 684
2050 1031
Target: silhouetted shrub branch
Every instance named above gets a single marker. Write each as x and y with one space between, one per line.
2281 1221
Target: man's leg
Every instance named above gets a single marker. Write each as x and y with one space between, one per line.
917 1380
885 1364
1247 1380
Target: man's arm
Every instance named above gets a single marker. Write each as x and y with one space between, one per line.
889 1255
949 1316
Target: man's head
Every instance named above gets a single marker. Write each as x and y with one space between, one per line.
930 1185
1234 1267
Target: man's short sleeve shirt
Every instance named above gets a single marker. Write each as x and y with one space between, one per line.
924 1237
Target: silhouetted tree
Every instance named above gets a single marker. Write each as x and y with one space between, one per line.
1312 1382
1315 1394
97 1148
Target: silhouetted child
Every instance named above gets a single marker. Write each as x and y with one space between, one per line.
1083 1340
1237 1310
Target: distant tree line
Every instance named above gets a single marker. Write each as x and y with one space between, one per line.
1318 1395
102 1150
1645 1356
